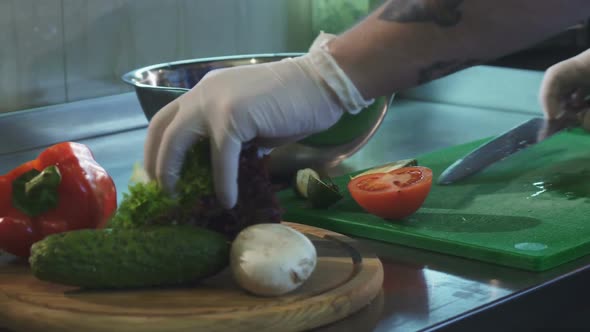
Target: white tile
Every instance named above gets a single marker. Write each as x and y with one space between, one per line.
262 26
105 39
31 56
208 28
78 49
150 32
97 47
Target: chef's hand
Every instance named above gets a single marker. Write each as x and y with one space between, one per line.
274 103
565 87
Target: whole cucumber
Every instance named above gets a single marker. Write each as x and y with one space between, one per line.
130 258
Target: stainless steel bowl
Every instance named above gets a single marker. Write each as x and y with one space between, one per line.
159 84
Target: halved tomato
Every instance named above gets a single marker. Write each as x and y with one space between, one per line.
393 195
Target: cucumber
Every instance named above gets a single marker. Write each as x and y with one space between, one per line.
130 258
321 194
302 180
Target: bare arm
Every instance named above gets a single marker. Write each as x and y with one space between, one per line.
408 42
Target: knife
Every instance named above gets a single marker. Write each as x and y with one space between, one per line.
516 139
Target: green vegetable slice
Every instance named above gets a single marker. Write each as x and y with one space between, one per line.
321 194
302 179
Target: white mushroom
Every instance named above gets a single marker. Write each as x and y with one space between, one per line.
271 259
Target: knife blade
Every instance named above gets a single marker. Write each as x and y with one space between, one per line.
512 141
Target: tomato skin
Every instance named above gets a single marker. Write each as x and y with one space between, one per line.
394 195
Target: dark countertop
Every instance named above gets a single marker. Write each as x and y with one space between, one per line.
425 290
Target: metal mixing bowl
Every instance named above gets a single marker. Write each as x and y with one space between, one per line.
157 85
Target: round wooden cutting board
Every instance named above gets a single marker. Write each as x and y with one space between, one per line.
345 280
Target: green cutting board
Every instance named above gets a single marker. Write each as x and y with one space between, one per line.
529 211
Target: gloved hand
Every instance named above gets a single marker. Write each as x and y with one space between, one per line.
564 87
274 103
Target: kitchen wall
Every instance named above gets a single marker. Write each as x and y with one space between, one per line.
55 51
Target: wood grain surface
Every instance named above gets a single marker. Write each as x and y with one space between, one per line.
346 279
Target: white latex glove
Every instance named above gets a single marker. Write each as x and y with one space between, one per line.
274 103
565 85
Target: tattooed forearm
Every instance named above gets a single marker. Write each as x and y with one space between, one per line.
444 68
442 12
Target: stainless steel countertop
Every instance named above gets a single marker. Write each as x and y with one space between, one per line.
422 290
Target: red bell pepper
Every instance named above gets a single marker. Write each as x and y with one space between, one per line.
63 189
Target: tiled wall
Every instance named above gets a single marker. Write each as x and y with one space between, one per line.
54 51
